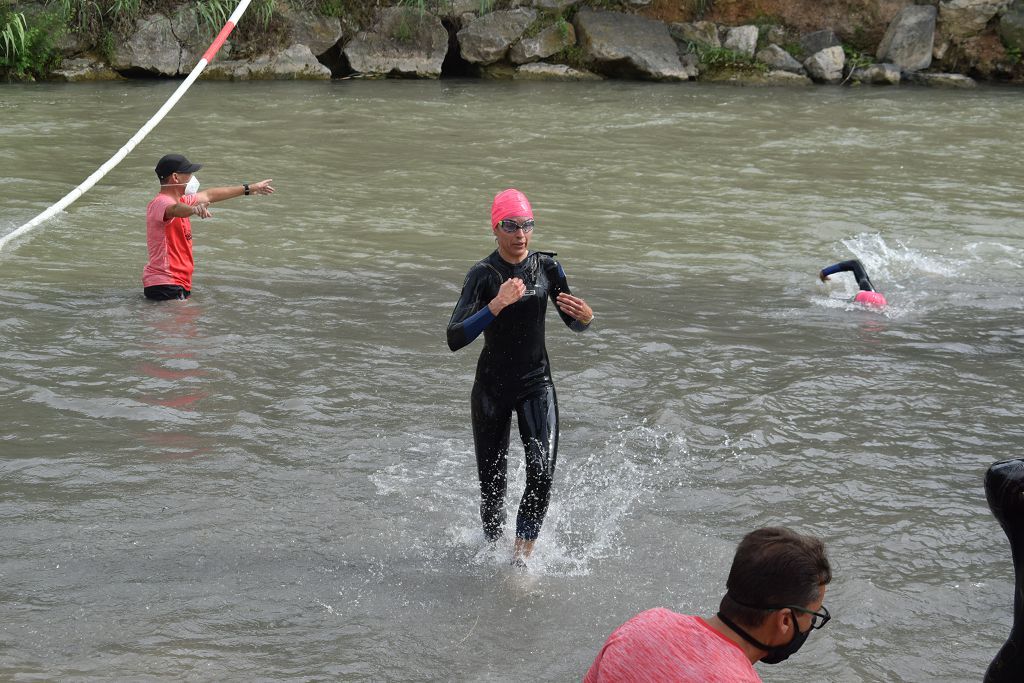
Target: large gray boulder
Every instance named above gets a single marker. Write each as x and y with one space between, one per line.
542 71
942 80
817 41
909 40
780 77
455 9
316 32
155 48
550 41
553 5
757 78
628 46
778 59
962 19
487 39
80 70
402 42
1011 26
741 39
73 44
697 33
877 74
826 66
297 63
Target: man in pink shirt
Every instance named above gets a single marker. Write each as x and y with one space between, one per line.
168 273
773 601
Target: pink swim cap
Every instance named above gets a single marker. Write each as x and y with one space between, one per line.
510 203
870 299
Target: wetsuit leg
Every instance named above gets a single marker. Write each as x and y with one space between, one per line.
492 420
538 428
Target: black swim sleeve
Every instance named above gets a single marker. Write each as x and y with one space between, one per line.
469 317
854 266
559 283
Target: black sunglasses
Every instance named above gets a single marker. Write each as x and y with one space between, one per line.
510 226
823 615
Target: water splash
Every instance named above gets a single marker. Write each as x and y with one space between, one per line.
592 498
900 263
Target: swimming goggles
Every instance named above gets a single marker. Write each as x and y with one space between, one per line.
510 226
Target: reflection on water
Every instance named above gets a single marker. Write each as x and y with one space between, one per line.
275 479
168 377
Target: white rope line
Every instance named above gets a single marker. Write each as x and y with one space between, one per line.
113 161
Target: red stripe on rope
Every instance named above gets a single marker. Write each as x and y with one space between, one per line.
218 41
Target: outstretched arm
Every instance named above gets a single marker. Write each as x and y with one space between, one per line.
219 194
854 266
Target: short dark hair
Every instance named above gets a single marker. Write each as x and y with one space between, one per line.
772 567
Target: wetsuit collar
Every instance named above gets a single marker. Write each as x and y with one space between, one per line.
513 265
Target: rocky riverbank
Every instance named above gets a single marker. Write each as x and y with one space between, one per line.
952 43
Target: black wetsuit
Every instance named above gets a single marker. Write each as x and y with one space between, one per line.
856 268
513 374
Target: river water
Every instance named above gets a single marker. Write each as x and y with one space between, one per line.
275 480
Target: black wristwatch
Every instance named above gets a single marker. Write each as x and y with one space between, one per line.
245 187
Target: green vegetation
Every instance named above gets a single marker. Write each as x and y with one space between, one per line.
13 35
721 61
573 56
211 15
546 18
563 27
855 59
27 44
794 48
763 21
403 30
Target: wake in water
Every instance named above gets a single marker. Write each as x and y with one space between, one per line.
592 498
903 273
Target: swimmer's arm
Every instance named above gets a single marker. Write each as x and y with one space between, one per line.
471 315
461 334
854 266
841 267
574 311
571 309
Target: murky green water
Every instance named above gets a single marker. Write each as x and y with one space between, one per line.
275 479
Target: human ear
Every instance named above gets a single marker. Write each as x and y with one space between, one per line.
784 621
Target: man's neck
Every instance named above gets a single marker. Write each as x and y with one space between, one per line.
753 653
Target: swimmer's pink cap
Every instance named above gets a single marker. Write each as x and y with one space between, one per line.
870 299
510 203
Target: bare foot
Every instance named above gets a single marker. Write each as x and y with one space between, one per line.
521 552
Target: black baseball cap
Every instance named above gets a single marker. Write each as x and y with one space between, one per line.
175 163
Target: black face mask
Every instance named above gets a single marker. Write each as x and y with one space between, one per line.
776 653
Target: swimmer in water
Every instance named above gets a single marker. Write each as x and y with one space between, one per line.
505 297
867 294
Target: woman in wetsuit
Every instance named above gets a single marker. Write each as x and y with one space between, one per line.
505 296
867 294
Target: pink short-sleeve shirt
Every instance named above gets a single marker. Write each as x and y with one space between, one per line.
170 244
661 645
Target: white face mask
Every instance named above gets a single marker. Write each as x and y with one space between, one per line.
192 186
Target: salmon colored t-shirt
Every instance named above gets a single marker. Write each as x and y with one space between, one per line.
660 645
170 244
